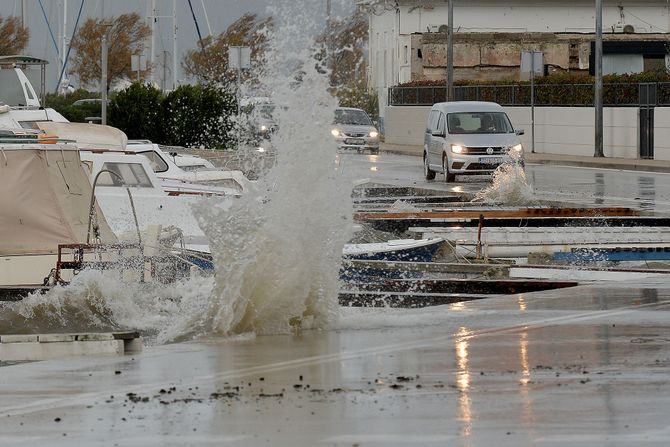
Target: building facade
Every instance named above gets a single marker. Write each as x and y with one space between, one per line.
407 39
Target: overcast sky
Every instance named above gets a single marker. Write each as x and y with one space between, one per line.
221 13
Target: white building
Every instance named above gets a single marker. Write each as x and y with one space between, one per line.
408 38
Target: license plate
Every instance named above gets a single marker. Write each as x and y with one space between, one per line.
490 160
354 141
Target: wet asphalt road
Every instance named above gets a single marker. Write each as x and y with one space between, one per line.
577 185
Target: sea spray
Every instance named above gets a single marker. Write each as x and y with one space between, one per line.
277 251
509 186
97 301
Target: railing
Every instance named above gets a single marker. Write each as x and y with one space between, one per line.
566 95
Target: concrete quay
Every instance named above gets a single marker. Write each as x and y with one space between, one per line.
584 366
31 347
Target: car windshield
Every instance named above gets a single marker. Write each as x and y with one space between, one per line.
479 122
356 117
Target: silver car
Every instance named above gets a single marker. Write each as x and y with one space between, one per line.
469 138
353 129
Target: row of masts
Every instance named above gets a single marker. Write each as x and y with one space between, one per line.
152 18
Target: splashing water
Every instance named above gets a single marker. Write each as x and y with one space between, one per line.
277 251
509 186
97 301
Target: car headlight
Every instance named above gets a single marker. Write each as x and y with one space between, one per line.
335 132
374 134
517 148
456 148
264 128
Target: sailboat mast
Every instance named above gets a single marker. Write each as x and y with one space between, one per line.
209 28
64 36
151 16
174 44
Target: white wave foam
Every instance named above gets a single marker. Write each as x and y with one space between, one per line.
98 301
509 186
278 252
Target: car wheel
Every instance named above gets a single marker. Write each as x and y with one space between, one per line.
448 176
429 173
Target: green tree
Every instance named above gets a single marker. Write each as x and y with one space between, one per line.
209 63
64 104
344 44
198 116
13 38
126 36
137 111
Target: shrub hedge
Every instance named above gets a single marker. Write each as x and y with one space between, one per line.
555 89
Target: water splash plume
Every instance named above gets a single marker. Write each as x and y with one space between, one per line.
277 251
509 186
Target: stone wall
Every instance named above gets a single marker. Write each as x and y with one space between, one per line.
497 56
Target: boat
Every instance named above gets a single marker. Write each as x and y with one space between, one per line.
649 240
416 250
51 226
22 110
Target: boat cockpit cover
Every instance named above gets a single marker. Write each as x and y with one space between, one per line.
45 200
87 136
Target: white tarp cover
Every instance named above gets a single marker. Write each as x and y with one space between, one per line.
45 199
89 136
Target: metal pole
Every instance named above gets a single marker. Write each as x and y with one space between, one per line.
532 102
64 37
23 14
239 95
450 51
164 70
209 28
174 44
153 35
598 100
103 81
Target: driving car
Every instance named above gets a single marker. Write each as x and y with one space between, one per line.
353 129
466 138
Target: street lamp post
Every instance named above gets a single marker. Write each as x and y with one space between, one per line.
239 58
450 51
598 90
103 81
103 77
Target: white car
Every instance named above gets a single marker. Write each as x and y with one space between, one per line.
469 138
353 129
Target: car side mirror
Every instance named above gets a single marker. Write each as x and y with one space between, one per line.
375 123
519 132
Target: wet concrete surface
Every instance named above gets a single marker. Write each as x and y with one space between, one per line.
585 366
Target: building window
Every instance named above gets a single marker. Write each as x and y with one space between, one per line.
405 55
654 62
